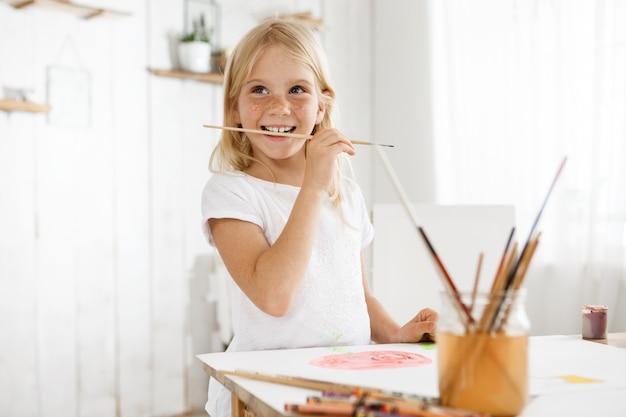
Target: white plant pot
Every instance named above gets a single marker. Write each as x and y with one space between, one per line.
194 56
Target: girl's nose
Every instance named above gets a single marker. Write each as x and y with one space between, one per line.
279 105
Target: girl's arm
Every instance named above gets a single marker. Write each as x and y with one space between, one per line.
384 328
271 275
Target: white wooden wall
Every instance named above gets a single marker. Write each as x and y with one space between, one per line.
103 269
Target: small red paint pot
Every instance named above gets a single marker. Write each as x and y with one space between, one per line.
594 321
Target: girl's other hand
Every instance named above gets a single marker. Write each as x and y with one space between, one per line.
420 328
321 156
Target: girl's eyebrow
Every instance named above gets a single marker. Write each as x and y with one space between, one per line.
294 82
254 81
302 81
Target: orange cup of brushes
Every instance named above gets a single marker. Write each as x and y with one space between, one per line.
482 347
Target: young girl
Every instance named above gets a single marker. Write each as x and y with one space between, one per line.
288 226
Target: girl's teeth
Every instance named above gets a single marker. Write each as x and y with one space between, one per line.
278 129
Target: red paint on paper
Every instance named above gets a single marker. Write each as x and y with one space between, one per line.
378 359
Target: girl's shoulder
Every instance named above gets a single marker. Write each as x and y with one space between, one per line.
227 176
227 179
224 183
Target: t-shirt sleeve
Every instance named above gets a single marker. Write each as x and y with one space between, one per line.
223 198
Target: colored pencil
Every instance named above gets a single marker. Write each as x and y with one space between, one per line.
326 409
428 411
328 399
287 135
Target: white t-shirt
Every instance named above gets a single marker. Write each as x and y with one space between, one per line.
329 307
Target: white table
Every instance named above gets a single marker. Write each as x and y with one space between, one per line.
557 365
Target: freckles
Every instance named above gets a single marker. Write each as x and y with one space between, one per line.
257 108
304 107
252 108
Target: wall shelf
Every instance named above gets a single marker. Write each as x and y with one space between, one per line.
84 11
209 77
26 106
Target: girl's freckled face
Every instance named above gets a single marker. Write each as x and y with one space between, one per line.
280 95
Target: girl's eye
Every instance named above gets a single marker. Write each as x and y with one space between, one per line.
259 90
297 89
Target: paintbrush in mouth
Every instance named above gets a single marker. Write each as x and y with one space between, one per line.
288 135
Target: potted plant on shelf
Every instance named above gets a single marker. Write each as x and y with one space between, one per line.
194 49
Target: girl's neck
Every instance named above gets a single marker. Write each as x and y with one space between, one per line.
280 173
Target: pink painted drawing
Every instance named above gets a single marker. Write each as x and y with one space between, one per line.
379 359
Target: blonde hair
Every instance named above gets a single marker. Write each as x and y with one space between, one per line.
301 42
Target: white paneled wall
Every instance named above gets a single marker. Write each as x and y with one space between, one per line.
402 96
104 272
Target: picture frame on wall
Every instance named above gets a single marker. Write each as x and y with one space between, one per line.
69 95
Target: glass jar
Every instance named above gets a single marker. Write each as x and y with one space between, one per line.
483 360
594 321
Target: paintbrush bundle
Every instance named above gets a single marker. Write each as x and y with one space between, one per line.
482 338
482 351
512 270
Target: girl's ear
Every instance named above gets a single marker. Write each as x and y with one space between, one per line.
321 107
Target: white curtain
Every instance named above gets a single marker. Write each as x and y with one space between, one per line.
519 85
